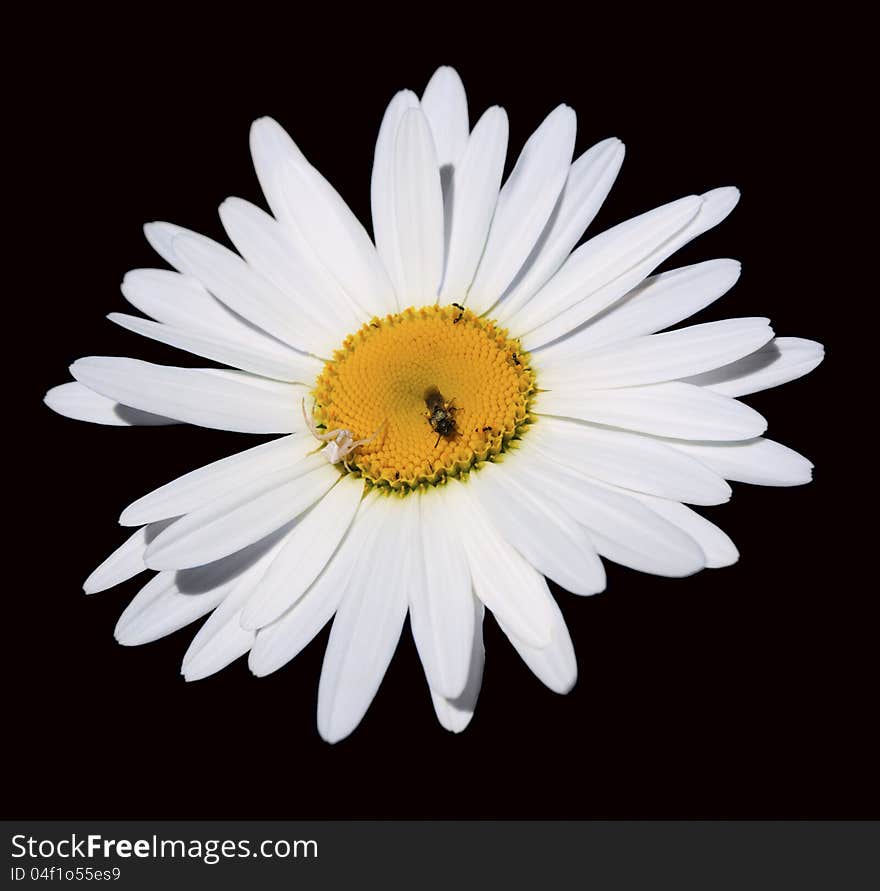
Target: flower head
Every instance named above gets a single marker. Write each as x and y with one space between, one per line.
468 403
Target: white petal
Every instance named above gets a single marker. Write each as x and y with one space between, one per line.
659 302
550 539
660 357
199 487
278 256
554 665
761 462
365 631
309 547
628 460
266 384
160 608
781 361
183 302
336 236
125 562
418 212
677 410
381 183
445 105
231 522
193 395
716 205
441 604
621 528
222 640
524 206
271 149
174 599
278 643
509 586
230 279
601 261
716 545
275 362
588 184
472 198
73 400
455 714
160 236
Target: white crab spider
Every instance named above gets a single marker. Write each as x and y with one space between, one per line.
340 443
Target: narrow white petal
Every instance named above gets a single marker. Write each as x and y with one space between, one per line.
472 199
365 631
418 212
160 608
602 260
621 528
659 302
524 206
271 149
550 539
231 522
677 410
381 183
222 640
445 105
784 359
160 236
173 599
761 462
338 239
125 562
193 395
230 279
554 665
660 357
505 581
73 400
199 487
716 205
263 383
183 302
309 547
441 604
455 714
278 643
716 545
274 362
281 258
628 460
588 184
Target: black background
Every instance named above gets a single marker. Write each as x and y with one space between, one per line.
743 692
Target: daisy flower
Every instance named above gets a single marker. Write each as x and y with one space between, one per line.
467 404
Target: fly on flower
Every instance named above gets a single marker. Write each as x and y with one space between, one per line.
492 405
441 413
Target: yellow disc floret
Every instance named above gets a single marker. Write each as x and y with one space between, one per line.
438 389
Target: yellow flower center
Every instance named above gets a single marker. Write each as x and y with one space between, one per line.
438 388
